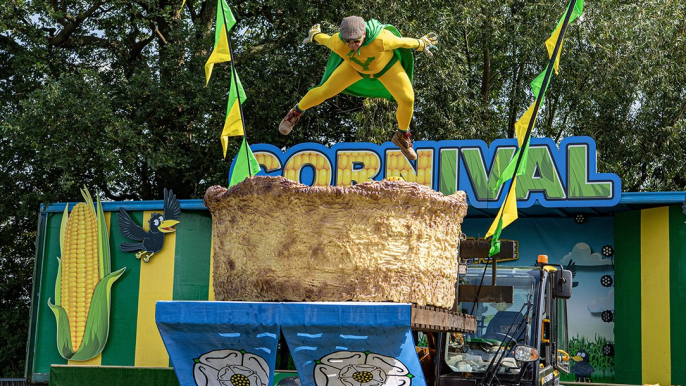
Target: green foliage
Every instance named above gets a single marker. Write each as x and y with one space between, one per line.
111 95
16 268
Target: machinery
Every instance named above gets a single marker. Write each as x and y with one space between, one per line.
521 334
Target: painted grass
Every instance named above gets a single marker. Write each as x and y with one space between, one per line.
603 365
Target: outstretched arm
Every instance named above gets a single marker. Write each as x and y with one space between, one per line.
422 44
315 35
324 40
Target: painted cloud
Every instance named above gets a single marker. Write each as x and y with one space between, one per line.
583 257
603 304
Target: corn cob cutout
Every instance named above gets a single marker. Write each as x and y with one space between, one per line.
84 282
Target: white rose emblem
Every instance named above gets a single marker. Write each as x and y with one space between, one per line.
354 368
230 368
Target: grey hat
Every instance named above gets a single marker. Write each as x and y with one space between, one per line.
352 27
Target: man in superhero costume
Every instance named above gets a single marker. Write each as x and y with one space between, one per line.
368 59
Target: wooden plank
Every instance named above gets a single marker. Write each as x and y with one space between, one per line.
478 249
432 319
487 293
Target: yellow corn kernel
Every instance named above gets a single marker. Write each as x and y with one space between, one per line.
322 178
420 176
320 161
423 161
428 177
392 162
346 178
343 164
79 268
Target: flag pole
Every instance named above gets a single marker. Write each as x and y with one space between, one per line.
539 99
546 78
234 75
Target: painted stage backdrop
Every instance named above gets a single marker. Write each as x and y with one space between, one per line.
178 265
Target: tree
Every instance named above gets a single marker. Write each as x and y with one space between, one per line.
111 95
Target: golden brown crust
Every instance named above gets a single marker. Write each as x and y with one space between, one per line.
275 239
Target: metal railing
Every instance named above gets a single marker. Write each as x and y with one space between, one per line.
13 382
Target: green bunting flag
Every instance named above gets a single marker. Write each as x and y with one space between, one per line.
537 84
246 165
517 166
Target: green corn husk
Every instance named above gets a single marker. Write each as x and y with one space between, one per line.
98 319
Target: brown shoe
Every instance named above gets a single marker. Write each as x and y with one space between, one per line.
289 121
403 141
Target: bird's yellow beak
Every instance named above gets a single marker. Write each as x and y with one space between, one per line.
167 226
577 358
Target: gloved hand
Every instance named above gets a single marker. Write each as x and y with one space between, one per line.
427 42
316 29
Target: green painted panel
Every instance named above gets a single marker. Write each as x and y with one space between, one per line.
192 260
485 182
111 376
578 185
677 291
46 337
628 298
121 343
35 293
541 175
448 172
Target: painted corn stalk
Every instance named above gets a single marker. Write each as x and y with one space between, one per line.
84 282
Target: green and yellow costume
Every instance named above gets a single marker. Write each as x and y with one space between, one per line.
381 68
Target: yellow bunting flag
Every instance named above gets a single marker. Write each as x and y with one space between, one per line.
522 125
507 212
220 52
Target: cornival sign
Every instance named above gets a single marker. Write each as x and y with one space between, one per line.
556 176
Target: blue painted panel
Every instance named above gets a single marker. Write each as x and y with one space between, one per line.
336 344
211 342
332 344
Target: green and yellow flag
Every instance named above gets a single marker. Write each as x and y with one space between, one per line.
517 166
246 164
233 124
555 36
221 51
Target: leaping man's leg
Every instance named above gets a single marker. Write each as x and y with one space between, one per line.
342 77
398 84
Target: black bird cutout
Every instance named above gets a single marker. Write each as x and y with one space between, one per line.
572 267
152 241
582 369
